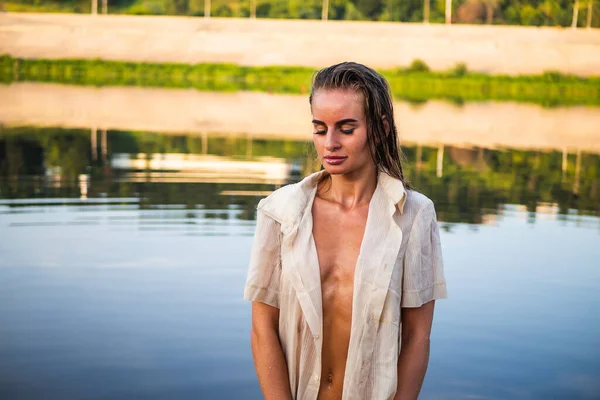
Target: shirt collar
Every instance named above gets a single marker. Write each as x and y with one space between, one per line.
288 204
394 188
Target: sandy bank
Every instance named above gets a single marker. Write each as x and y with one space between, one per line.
492 49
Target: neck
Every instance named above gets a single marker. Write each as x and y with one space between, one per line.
351 190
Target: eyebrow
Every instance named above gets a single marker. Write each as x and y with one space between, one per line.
338 123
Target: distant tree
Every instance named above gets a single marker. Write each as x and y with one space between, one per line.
371 9
176 7
353 13
304 9
575 14
514 12
223 10
279 9
490 8
470 12
263 9
550 9
529 15
410 11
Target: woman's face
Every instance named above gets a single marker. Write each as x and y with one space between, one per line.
340 132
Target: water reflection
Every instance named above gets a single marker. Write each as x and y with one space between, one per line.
268 116
215 172
201 168
124 254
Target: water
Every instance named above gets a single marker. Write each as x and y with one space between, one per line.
122 265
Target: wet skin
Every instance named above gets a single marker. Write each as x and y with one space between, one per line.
338 236
339 217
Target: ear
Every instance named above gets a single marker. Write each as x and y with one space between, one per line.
386 124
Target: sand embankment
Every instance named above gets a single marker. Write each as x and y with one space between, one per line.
492 49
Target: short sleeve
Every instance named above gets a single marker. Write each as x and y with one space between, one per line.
423 277
264 272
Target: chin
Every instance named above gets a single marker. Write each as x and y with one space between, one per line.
336 169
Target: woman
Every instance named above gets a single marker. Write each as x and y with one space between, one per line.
347 263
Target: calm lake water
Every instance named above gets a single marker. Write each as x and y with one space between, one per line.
123 258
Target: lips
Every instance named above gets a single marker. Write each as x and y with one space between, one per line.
334 160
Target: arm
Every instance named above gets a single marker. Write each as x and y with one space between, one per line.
414 353
269 361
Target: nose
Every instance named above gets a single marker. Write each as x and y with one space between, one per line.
331 141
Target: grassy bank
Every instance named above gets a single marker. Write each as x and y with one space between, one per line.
415 83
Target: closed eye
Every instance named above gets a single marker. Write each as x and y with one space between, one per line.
347 131
319 132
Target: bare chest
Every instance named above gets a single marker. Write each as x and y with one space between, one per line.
338 237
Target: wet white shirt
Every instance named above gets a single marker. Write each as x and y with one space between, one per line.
399 265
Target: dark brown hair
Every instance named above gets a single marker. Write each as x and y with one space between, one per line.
377 97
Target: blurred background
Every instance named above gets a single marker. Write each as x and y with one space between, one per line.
137 137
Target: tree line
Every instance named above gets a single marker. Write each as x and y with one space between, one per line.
574 13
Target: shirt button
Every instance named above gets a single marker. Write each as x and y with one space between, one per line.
317 378
316 336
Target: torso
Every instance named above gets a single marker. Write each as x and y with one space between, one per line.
338 236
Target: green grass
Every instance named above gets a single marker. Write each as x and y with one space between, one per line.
416 83
45 8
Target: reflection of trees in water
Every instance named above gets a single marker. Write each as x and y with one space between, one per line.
490 178
474 182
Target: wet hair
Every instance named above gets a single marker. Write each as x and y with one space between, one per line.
377 100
